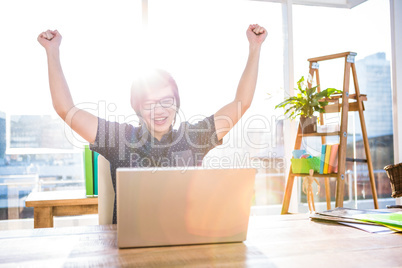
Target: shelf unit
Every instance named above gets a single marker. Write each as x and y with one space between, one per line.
354 102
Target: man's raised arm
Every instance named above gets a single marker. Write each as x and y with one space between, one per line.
231 113
82 122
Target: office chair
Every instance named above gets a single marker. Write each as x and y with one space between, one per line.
105 192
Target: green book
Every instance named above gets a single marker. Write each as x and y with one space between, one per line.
95 173
88 168
323 149
388 219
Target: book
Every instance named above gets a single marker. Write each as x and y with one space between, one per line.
323 148
336 161
392 220
95 167
88 171
366 226
326 160
332 158
388 219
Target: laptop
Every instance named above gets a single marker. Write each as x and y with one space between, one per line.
176 206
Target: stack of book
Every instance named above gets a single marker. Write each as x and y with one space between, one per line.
329 158
373 221
91 171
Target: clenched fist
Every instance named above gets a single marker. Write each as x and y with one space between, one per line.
256 34
50 39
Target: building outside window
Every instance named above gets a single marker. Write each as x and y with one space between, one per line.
375 77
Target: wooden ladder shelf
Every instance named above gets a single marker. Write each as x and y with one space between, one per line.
350 102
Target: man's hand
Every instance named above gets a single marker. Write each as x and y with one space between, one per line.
256 34
50 39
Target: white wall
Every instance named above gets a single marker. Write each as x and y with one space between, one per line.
396 42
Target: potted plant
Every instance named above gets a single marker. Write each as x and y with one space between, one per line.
305 104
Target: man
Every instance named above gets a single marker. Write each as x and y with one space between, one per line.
155 100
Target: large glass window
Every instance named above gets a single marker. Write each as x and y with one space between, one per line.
204 45
322 31
37 150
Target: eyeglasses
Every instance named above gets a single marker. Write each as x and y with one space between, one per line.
165 103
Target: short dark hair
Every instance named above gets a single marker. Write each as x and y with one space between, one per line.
157 79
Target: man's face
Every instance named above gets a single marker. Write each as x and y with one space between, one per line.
158 110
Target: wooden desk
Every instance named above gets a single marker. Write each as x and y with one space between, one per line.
59 203
273 241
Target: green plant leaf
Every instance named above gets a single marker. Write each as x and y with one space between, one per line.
297 110
288 110
291 115
327 93
311 91
300 83
307 101
285 102
323 103
314 102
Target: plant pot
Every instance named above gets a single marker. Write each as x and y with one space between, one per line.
308 124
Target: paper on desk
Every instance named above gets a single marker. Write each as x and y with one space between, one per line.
350 213
336 219
377 229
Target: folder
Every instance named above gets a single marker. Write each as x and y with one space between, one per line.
95 167
88 168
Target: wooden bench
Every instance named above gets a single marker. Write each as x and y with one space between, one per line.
59 203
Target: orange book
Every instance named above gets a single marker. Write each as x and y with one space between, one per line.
336 161
333 159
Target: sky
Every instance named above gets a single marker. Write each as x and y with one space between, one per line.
202 43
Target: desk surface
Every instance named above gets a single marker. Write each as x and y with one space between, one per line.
273 241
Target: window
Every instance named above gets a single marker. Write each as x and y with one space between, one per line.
37 150
322 31
103 44
204 45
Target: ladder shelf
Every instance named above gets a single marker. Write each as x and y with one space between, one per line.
354 103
